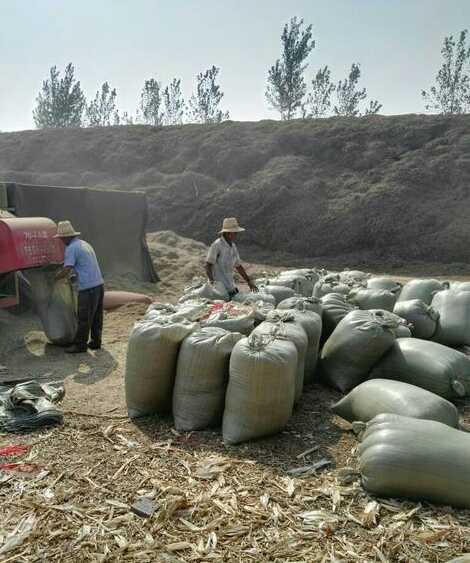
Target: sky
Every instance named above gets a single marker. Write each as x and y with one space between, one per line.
125 42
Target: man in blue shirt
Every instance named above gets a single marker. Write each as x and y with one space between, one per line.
80 259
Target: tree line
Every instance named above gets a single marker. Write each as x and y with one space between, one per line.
61 101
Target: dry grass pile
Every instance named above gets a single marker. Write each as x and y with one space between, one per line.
177 260
378 191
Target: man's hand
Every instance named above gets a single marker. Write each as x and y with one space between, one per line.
253 287
210 273
241 270
66 272
63 273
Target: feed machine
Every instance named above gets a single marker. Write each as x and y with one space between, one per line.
25 242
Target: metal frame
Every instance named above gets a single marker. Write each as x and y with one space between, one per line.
14 298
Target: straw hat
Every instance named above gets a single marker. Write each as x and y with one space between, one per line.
65 230
230 225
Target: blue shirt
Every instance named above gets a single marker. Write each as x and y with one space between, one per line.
82 258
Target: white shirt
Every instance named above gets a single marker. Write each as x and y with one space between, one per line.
224 258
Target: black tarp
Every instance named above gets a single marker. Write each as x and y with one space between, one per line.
113 222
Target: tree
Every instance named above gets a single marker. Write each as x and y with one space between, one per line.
204 103
286 85
126 119
348 96
451 94
61 101
319 100
174 103
151 103
101 112
373 108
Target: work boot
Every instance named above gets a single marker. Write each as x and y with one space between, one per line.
75 349
94 345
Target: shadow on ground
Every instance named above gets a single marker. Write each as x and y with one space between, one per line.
311 426
37 359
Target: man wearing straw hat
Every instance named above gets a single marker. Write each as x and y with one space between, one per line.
80 259
223 259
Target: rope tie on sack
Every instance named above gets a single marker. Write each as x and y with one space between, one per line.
280 316
259 342
380 321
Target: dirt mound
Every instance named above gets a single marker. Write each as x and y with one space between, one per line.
177 259
377 191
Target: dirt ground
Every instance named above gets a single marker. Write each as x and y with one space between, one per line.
214 503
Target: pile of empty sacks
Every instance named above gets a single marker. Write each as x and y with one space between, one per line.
395 351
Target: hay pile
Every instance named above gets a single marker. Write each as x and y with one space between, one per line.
177 259
383 190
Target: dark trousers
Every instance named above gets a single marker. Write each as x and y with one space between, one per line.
90 316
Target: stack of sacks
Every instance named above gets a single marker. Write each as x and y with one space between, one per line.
408 426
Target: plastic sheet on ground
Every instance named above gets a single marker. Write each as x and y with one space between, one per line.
30 405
